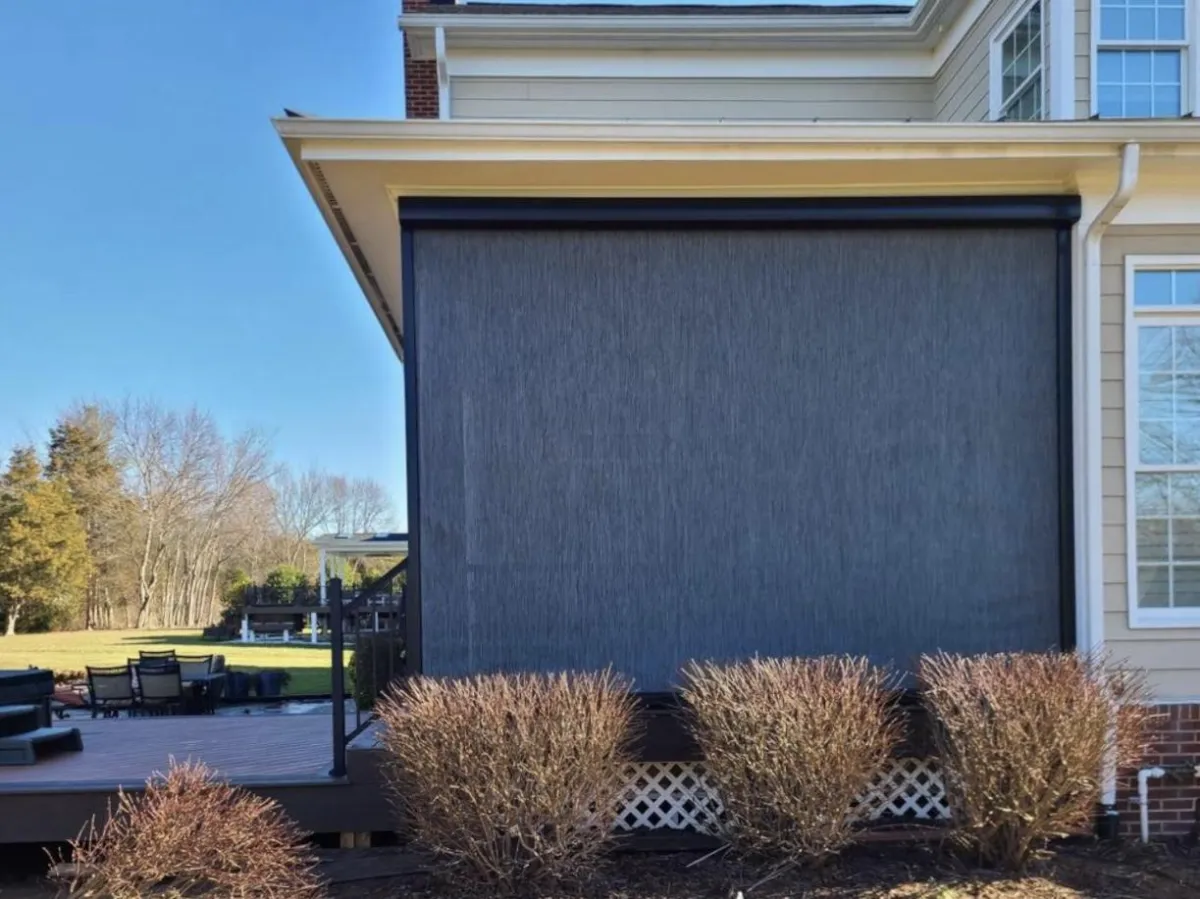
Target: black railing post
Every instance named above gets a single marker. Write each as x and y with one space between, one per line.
338 677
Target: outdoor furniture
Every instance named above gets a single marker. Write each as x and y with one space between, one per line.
199 682
155 656
111 690
160 687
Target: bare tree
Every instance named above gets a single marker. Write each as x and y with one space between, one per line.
360 505
303 506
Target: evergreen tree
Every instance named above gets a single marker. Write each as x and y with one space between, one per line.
44 561
81 458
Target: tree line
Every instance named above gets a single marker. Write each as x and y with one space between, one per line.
136 515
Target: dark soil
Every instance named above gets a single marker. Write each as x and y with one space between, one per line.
905 871
891 872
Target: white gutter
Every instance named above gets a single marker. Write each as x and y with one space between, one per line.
1093 502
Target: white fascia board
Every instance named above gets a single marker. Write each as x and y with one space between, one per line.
381 139
689 65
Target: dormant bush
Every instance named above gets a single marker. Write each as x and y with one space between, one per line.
791 744
190 835
511 779
1023 739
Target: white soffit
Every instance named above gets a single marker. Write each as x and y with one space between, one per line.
358 171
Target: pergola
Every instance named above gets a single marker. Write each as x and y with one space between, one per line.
348 545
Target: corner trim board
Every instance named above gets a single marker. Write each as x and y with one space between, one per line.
413 655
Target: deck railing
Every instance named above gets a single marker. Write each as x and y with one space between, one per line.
372 618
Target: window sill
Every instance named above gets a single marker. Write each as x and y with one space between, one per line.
1161 619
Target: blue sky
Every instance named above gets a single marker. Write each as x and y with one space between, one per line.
157 240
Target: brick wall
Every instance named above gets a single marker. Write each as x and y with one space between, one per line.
1173 800
420 77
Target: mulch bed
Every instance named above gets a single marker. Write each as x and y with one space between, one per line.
889 872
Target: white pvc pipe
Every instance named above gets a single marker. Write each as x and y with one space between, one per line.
1144 777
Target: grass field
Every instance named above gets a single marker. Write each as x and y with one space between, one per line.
74 650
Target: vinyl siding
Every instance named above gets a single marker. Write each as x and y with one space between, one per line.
1083 59
960 92
1171 656
681 99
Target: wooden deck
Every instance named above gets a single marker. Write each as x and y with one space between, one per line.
286 757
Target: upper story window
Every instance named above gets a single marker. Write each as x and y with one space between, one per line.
1141 57
1017 71
1162 386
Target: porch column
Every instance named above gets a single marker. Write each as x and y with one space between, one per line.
312 619
245 628
321 573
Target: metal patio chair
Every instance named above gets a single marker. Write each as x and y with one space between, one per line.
110 690
160 687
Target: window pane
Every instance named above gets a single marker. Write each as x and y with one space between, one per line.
1110 68
1166 68
1141 24
1152 288
1168 102
1112 24
1153 586
1151 494
1156 397
1185 540
1139 101
1187 441
1170 24
1152 540
1187 288
1187 586
1154 350
1137 67
1109 102
1187 348
1184 496
1157 443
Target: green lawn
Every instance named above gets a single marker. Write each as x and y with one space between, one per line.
74 650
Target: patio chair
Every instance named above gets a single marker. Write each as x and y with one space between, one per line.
160 687
155 656
194 667
111 689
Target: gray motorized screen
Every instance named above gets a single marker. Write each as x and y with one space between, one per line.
640 447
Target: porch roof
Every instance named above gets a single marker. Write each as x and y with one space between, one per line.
360 171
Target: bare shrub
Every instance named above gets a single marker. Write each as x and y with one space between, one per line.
511 779
190 835
791 744
1023 739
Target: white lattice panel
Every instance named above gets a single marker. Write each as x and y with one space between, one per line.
907 788
669 796
678 796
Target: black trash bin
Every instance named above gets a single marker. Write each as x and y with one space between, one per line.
270 684
237 686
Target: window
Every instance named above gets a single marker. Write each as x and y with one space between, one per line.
1162 389
1141 55
1017 89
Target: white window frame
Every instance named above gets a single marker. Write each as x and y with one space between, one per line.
1135 316
1189 58
996 60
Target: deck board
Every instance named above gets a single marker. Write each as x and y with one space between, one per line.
124 752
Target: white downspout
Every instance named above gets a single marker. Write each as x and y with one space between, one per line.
1144 777
1093 635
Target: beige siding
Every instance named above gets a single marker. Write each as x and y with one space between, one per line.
1172 657
1083 59
709 98
961 87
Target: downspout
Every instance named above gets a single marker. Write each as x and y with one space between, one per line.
1093 642
1144 797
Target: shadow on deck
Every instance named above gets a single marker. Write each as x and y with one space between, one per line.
284 757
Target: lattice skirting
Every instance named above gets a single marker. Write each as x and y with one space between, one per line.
679 796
